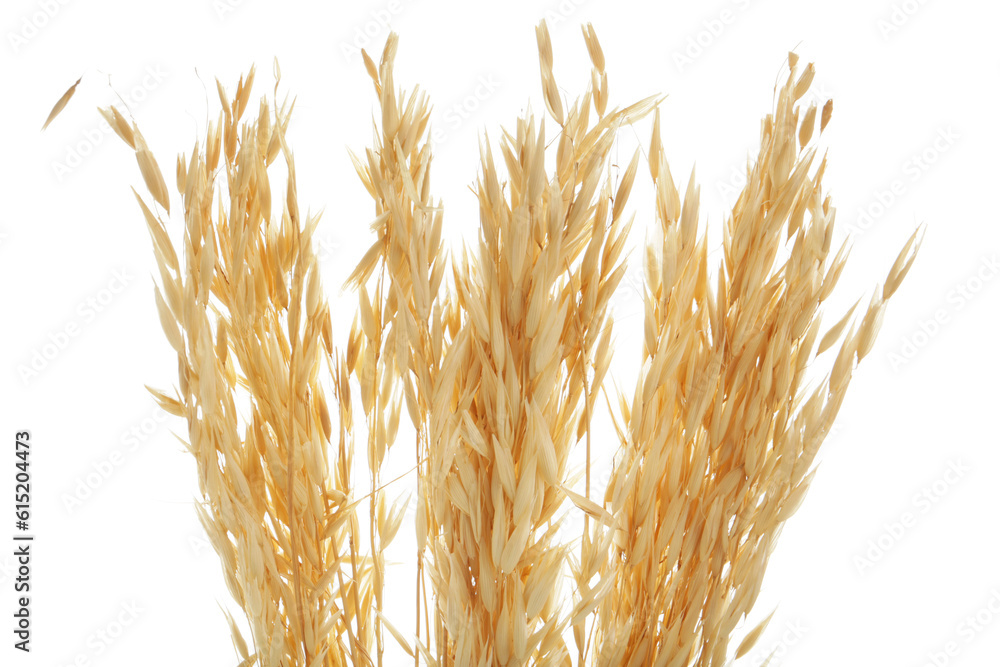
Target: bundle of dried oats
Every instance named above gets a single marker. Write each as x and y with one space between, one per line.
499 356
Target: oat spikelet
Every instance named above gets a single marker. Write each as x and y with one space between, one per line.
61 104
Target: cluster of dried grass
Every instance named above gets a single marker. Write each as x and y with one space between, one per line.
244 310
721 432
499 357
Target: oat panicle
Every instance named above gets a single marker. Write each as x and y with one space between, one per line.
498 353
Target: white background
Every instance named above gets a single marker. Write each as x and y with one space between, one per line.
915 111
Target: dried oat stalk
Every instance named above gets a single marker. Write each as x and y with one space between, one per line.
396 346
243 307
509 403
721 432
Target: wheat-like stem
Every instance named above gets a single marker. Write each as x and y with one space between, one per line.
721 431
407 255
531 302
243 308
